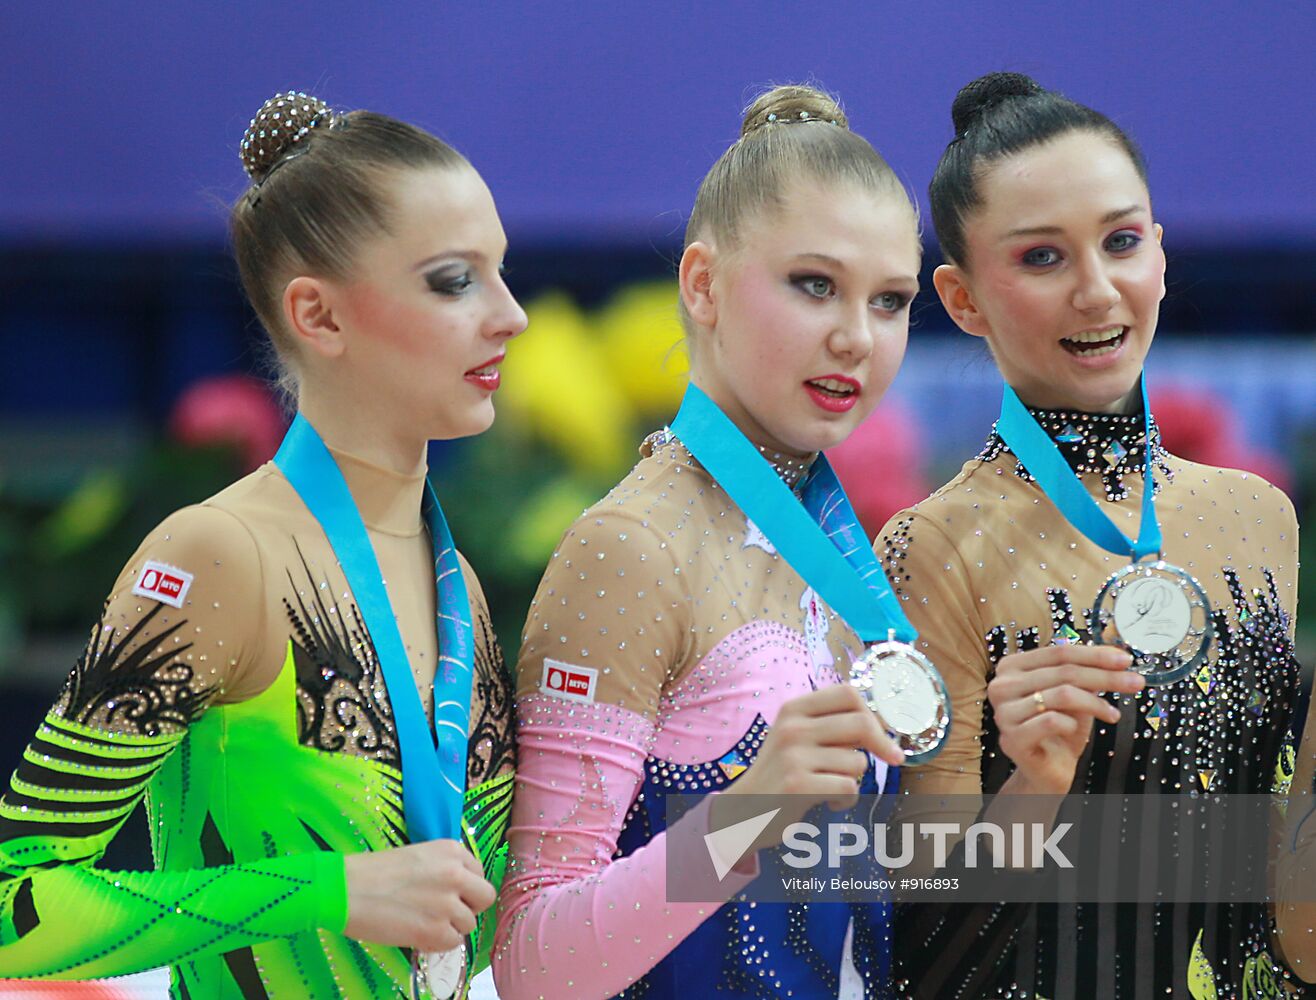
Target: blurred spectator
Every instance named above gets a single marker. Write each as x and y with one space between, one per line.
1198 425
881 465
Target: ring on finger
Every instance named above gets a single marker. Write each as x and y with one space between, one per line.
1039 703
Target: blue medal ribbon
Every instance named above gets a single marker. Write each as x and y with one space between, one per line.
1034 448
819 534
433 760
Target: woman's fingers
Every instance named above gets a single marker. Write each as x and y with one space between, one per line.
1046 746
1064 670
463 920
835 716
476 892
1103 657
838 792
830 700
1087 678
472 863
839 761
1035 731
1045 701
1064 699
888 750
860 727
424 895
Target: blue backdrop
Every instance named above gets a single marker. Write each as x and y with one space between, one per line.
594 121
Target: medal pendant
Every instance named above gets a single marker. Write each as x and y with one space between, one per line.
904 690
444 972
1160 614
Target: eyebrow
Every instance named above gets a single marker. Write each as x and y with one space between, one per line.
474 256
840 265
825 258
1106 219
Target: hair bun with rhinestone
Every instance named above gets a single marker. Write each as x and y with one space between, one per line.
282 122
792 104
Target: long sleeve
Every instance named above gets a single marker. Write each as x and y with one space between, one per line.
174 640
608 624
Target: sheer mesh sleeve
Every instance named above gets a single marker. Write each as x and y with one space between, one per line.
612 601
173 638
609 628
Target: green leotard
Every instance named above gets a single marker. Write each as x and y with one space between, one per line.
232 683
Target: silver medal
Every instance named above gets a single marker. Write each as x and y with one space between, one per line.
906 692
1160 614
444 972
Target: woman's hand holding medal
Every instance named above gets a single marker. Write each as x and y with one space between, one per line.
1045 701
1151 607
423 896
816 751
819 535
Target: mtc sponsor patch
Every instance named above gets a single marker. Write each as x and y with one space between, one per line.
566 680
166 584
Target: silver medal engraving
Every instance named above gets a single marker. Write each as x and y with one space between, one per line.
1160 614
906 692
445 972
1152 614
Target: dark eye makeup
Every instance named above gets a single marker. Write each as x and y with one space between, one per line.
448 281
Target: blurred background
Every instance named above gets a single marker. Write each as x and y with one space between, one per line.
132 374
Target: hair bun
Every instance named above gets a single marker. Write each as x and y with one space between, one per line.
980 95
282 122
790 104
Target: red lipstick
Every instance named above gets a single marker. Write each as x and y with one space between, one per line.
833 393
486 376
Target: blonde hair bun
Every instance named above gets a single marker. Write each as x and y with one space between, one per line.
792 104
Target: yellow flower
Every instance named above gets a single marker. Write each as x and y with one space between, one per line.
555 381
641 336
539 523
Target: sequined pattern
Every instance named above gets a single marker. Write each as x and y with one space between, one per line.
136 680
341 697
254 723
492 747
987 566
1109 444
692 632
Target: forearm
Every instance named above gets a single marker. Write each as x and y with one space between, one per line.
78 922
574 919
594 935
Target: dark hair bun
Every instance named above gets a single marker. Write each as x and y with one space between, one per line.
791 104
977 97
282 122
